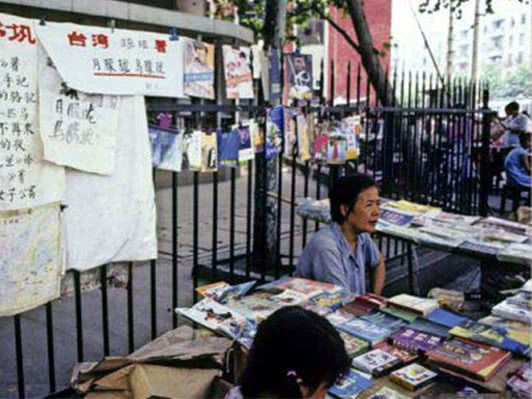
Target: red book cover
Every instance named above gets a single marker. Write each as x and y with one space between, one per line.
400 353
477 360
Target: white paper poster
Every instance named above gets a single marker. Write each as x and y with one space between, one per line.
112 218
122 62
77 129
166 148
25 180
237 71
30 258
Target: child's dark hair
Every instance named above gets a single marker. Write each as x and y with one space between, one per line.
345 191
293 343
523 138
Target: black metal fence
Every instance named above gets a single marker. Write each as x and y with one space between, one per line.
430 145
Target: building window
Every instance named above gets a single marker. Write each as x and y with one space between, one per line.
485 29
519 58
511 41
510 61
498 24
523 19
521 39
513 22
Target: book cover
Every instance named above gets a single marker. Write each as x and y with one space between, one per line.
191 150
506 339
427 326
303 141
413 340
415 304
354 346
402 354
235 291
350 385
336 147
289 297
520 382
245 149
500 322
357 308
446 318
413 377
387 393
372 300
321 310
257 306
209 152
376 362
384 320
365 330
406 315
476 360
309 288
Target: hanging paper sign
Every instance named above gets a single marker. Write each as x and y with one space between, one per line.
238 80
303 143
120 62
77 129
199 68
299 68
191 150
31 261
25 180
245 151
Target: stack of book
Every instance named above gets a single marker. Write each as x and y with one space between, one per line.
521 382
413 377
418 305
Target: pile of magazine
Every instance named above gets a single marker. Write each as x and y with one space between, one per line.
398 345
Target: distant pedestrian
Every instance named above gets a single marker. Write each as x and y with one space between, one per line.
515 123
517 162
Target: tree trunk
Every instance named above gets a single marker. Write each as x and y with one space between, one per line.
368 53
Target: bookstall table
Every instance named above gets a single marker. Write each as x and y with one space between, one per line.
319 211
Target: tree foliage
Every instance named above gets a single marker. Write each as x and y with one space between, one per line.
515 84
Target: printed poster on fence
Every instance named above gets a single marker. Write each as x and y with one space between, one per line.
191 150
112 218
31 260
351 127
209 152
245 150
77 129
165 148
120 62
25 180
237 71
299 67
199 68
303 142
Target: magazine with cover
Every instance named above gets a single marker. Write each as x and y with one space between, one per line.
413 340
339 317
516 253
336 147
303 140
446 318
413 377
475 360
402 354
191 150
506 225
350 385
506 339
424 325
354 346
387 393
398 217
365 330
422 306
209 152
521 381
512 312
213 290
309 288
237 72
257 306
502 323
198 69
235 291
405 315
384 320
289 297
245 149
376 362
165 148
300 78
228 147
333 300
321 310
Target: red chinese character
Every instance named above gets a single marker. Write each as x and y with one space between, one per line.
76 39
160 46
2 31
100 40
21 33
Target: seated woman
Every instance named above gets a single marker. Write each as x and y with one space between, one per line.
340 252
296 354
517 163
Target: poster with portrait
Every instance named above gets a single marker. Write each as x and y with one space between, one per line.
245 151
199 68
303 143
237 72
351 127
319 148
191 150
299 70
336 147
209 152
165 148
228 147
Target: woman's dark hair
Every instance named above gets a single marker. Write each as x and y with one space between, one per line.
523 139
293 343
345 192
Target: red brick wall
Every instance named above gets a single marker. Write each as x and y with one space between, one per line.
379 17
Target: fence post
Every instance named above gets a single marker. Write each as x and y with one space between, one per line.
485 183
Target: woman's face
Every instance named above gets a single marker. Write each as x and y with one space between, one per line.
318 393
365 214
